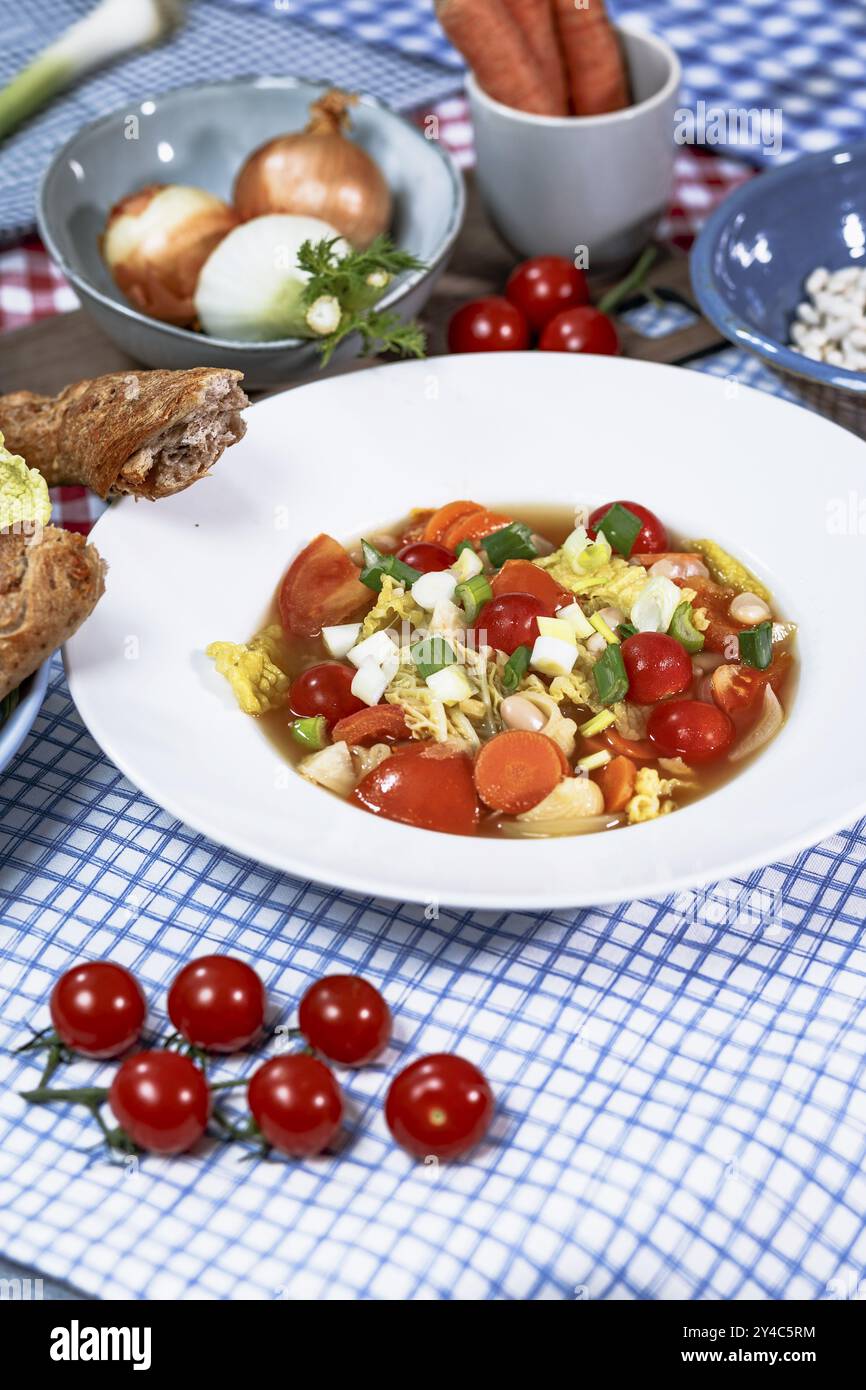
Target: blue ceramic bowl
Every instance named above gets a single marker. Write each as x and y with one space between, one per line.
20 722
752 257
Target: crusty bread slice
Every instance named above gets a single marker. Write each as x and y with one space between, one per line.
49 583
145 433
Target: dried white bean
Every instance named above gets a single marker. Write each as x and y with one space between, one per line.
749 608
818 279
807 313
519 713
596 644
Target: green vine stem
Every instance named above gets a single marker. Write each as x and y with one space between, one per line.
630 283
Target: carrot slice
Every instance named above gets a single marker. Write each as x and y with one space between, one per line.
321 586
516 770
639 750
617 779
474 527
523 577
597 77
371 725
438 524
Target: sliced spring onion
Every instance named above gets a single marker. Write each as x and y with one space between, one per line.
596 554
516 668
597 723
432 654
575 543
655 605
611 681
472 594
461 546
577 619
626 630
310 733
621 528
467 564
512 542
756 646
594 760
684 630
606 631
376 565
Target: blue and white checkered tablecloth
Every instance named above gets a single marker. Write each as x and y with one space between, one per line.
681 1083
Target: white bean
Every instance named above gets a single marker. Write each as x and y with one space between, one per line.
818 279
749 608
596 644
807 313
519 713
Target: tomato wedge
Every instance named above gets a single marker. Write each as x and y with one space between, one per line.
371 725
474 527
523 577
429 786
736 687
638 749
321 587
438 523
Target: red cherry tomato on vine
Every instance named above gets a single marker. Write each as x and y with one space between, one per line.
296 1103
543 287
426 556
345 1018
488 325
652 536
656 666
440 1106
325 689
690 729
584 329
161 1100
217 1003
97 1009
511 621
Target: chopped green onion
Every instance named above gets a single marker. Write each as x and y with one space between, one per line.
597 723
601 626
472 594
432 654
596 554
756 645
461 546
376 565
626 630
684 630
310 733
513 542
609 675
516 668
594 760
621 528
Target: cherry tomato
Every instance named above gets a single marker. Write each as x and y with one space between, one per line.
511 621
428 785
488 325
345 1018
736 688
656 666
584 329
426 556
650 539
523 577
543 287
97 1009
161 1100
320 587
439 1106
325 689
690 729
296 1103
218 1003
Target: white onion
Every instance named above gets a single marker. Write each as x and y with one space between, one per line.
250 288
769 724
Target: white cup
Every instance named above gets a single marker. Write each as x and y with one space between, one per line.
552 184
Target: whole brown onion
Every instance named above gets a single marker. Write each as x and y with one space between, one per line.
156 242
318 172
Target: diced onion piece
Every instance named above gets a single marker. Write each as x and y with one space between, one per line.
576 618
450 685
576 543
555 627
594 760
769 724
655 605
332 768
553 657
341 638
467 565
376 648
371 682
432 588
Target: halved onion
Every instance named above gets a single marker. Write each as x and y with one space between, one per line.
156 242
552 829
770 722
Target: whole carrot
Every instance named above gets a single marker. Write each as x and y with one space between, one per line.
495 49
597 76
534 18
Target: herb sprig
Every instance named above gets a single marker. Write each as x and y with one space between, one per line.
352 284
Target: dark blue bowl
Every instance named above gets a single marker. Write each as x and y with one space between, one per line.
752 257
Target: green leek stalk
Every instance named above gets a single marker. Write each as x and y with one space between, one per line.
115 27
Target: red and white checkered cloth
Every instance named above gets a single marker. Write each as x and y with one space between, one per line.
31 288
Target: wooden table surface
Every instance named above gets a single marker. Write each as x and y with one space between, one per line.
67 347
